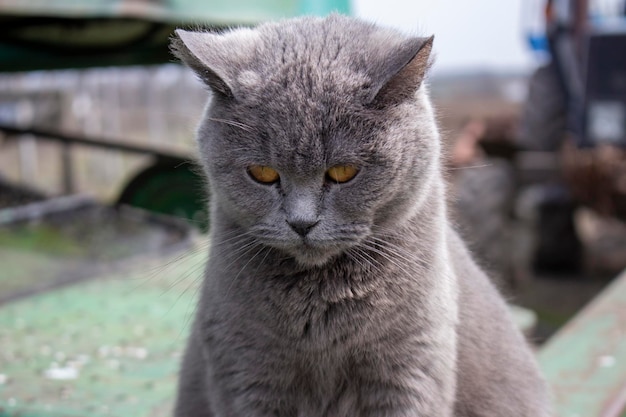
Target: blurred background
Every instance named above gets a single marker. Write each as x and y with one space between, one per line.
102 208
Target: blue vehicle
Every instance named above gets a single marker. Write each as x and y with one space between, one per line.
576 109
570 150
581 93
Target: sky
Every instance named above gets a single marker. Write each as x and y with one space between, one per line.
470 35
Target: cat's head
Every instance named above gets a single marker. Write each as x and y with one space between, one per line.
318 134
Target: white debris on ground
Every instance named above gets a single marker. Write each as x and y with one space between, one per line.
137 352
606 361
62 374
69 368
3 379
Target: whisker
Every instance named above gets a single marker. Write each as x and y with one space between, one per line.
469 167
230 239
394 249
366 258
241 252
232 123
184 277
403 268
193 271
242 269
161 268
269 250
394 256
177 281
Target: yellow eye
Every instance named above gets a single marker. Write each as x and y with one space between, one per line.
342 173
264 174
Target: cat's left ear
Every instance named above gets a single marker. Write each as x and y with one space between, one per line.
215 57
404 72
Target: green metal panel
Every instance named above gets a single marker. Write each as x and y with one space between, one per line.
108 347
585 362
322 7
175 188
67 239
217 12
50 34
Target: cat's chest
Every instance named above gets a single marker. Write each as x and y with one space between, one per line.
298 323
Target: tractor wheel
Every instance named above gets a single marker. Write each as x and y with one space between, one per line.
484 197
170 187
544 116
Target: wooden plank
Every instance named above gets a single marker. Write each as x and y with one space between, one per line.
585 362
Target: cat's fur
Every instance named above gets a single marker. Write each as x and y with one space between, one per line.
379 310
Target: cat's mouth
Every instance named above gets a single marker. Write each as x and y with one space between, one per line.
315 251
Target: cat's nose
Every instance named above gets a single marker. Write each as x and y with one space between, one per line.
302 227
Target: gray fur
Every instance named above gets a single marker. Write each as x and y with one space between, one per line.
379 310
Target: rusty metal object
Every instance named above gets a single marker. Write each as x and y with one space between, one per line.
597 177
484 135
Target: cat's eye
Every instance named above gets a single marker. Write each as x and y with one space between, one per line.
263 174
341 173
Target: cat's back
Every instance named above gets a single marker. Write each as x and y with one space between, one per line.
496 372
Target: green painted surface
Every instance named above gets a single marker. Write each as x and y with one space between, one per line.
40 237
585 362
108 347
176 189
75 244
53 34
190 11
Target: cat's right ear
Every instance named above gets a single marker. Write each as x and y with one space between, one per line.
404 71
200 51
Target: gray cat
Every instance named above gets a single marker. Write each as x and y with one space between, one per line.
335 284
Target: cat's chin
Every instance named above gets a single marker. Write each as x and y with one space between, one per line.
309 257
312 262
